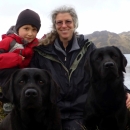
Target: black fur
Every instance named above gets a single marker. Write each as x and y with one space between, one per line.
33 93
105 107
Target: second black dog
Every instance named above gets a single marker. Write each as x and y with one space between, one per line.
105 107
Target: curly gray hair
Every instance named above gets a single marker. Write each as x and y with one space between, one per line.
65 9
50 37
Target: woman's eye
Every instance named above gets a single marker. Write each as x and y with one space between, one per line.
68 22
59 23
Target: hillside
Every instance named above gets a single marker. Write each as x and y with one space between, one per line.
105 38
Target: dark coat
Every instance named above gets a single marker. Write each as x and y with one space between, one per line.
74 82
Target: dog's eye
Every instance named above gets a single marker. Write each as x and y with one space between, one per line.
21 81
114 56
40 82
99 58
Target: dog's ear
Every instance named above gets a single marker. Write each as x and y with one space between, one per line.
54 89
7 88
123 59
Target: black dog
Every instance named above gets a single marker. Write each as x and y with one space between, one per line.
33 93
105 107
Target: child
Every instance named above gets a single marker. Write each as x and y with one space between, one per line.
16 47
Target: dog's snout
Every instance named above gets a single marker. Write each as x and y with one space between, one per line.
31 93
108 64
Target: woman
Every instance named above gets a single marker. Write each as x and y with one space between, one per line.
64 53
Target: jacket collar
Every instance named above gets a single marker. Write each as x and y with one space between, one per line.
77 44
73 42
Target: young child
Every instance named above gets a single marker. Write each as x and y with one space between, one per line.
16 46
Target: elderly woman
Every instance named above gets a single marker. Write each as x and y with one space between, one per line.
64 53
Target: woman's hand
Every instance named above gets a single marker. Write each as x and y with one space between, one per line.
128 101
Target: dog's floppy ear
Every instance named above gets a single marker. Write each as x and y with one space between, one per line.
7 88
123 59
54 89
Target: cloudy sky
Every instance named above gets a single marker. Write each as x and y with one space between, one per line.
94 15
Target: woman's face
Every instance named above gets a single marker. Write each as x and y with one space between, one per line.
64 26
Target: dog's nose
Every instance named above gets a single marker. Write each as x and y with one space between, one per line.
31 93
108 64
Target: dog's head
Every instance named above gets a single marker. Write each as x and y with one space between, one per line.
107 62
31 87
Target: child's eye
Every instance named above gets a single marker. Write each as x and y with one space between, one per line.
35 29
26 28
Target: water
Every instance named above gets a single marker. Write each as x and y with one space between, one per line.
127 74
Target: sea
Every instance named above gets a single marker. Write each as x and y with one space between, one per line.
127 74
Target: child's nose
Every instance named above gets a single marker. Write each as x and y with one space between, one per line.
30 32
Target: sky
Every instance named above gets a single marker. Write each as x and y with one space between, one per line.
93 15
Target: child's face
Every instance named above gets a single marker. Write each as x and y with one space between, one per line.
27 32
